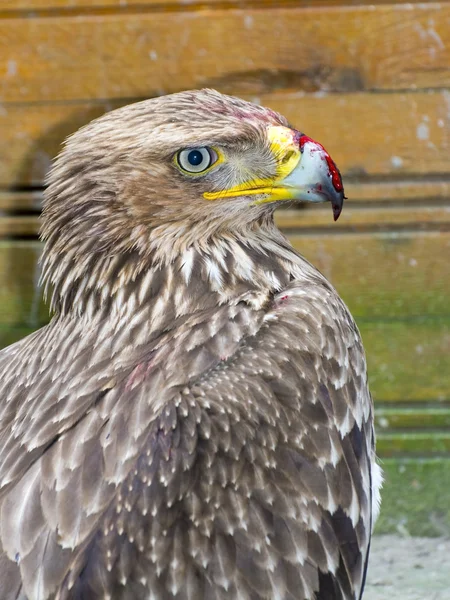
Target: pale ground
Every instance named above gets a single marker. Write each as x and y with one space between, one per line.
402 568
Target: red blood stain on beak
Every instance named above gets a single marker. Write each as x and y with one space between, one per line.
334 171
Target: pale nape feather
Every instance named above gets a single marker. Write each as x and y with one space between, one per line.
195 421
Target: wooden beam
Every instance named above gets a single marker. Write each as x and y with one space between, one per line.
123 5
384 275
413 443
11 201
408 358
356 218
410 418
18 226
141 54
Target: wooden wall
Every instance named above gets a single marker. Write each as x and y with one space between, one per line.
370 81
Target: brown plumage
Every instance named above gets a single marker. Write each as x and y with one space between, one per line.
194 422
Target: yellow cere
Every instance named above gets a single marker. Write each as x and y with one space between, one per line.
287 156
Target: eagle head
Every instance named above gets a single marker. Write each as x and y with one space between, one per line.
173 171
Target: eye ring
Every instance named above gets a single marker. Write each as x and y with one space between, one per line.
196 160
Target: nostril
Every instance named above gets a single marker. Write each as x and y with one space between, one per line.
287 157
297 139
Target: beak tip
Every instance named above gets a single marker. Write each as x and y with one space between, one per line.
337 207
334 185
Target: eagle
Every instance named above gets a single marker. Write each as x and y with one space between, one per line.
195 422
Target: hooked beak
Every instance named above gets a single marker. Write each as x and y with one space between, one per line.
316 177
305 172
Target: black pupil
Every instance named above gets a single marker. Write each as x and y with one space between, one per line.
195 158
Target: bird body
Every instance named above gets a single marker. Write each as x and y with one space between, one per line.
195 421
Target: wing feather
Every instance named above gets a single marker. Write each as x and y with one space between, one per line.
229 457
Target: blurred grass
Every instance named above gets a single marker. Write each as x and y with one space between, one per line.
408 360
415 497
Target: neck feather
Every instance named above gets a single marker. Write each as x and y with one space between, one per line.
174 279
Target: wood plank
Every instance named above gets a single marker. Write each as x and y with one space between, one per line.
412 417
413 444
16 5
375 134
384 276
354 218
31 136
357 218
398 190
93 5
20 201
18 226
394 46
398 134
409 360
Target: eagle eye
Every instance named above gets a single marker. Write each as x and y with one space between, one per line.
196 160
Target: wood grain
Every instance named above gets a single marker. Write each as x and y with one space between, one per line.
15 5
12 201
380 190
18 226
369 135
409 359
411 417
253 50
413 444
361 218
384 276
